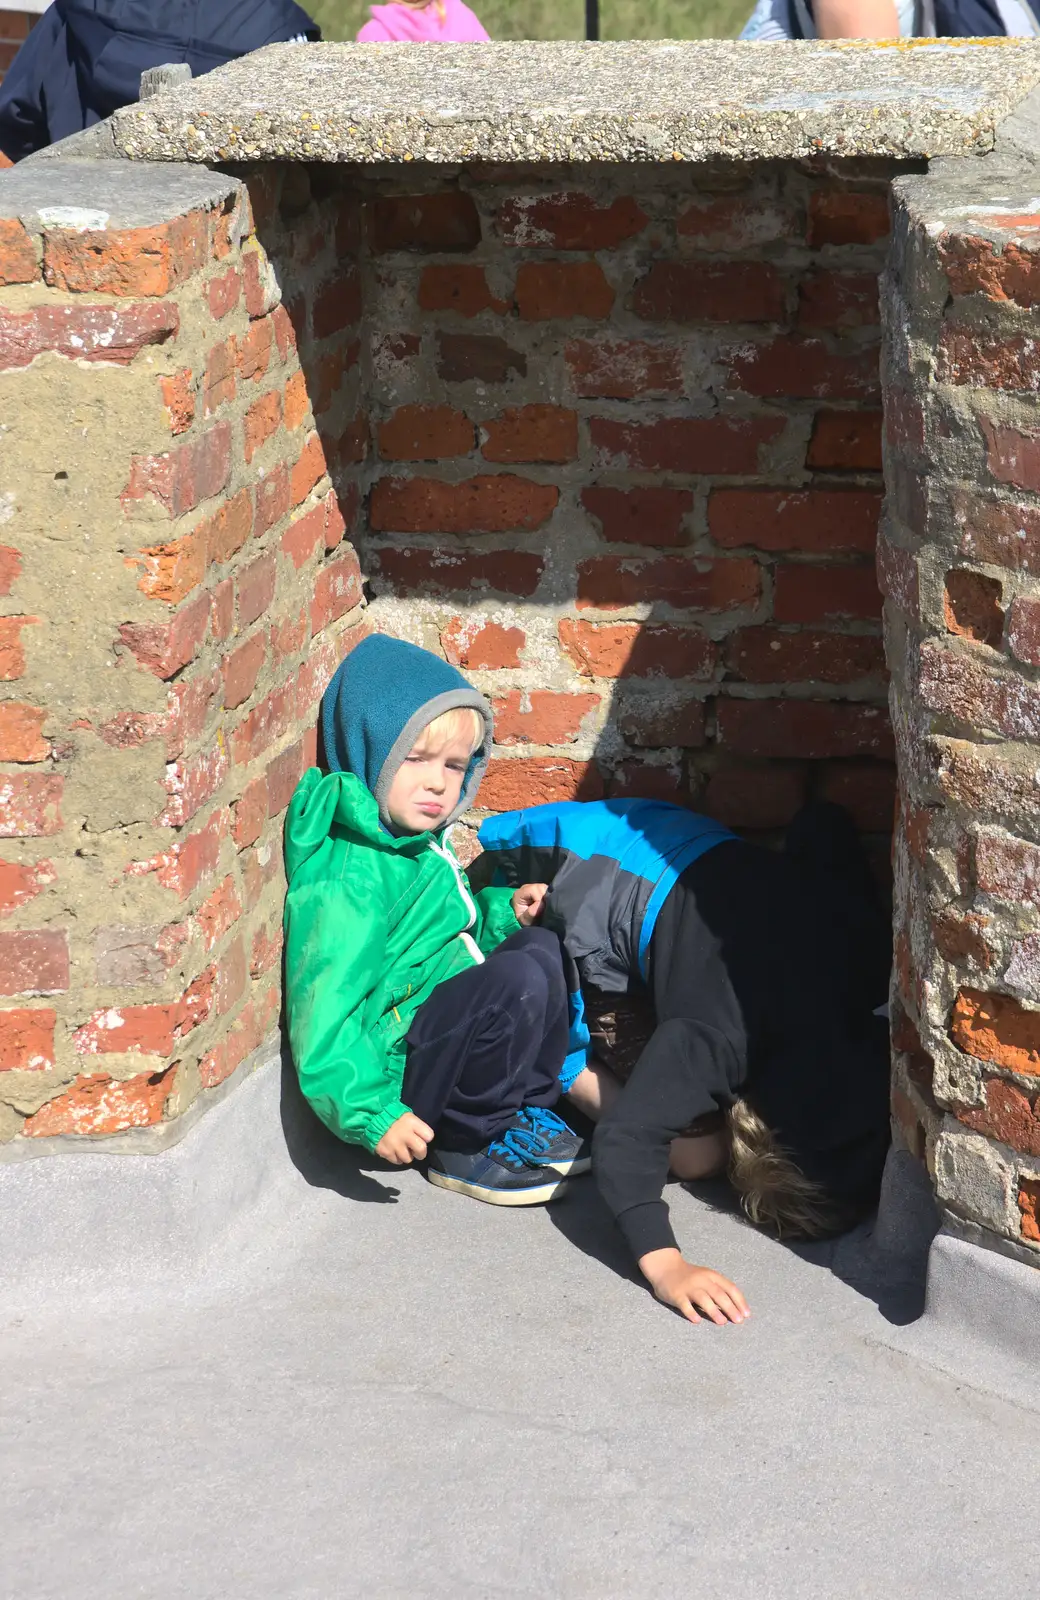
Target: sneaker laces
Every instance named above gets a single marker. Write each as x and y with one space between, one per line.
506 1154
537 1130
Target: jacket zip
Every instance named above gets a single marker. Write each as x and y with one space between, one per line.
467 900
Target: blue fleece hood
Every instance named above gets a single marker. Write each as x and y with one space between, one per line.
381 698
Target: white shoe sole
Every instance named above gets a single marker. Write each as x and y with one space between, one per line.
502 1197
572 1169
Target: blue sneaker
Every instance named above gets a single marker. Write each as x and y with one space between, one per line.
544 1140
498 1174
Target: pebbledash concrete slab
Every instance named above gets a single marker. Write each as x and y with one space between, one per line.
589 102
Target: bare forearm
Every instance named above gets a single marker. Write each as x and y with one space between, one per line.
856 19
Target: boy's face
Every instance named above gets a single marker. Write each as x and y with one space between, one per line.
428 783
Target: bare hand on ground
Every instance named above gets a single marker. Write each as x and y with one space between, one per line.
680 1284
528 901
405 1140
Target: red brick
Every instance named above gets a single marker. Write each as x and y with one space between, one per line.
1007 868
970 355
266 723
484 504
10 567
477 357
623 369
27 1040
711 291
283 775
308 471
193 781
540 716
1011 455
755 797
223 293
664 720
266 951
647 780
848 216
12 650
838 300
457 287
20 883
250 813
555 289
971 606
425 433
34 962
1008 1115
178 392
223 534
253 351
640 516
866 789
1024 630
193 858
766 655
997 1029
808 729
814 520
569 222
126 261
305 536
974 266
289 635
443 571
531 433
1029 1206
255 588
337 304
733 222
435 222
614 581
222 611
114 334
18 262
259 282
30 805
262 421
962 939
272 498
335 521
474 643
636 649
99 1104
315 674
538 780
685 444
998 532
284 332
350 447
958 684
804 369
241 669
846 441
21 737
825 594
172 571
219 913
131 957
297 403
337 590
181 478
232 977
260 867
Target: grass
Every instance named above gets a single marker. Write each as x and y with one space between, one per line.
565 19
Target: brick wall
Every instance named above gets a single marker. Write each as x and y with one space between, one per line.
15 27
177 590
960 565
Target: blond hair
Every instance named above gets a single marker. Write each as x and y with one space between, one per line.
461 722
774 1192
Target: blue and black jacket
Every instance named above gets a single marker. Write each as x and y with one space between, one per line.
84 58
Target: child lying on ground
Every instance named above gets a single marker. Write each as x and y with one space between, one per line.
416 1011
764 971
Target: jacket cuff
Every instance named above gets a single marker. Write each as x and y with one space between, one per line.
376 1126
646 1227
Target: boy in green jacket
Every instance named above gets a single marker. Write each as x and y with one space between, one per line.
426 1022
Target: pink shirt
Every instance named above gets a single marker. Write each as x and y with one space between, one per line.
401 24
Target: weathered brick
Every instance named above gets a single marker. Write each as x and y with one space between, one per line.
314 674
296 404
971 606
474 643
623 369
222 608
337 590
223 293
710 291
425 433
337 304
838 300
253 351
846 441
546 290
305 536
12 649
30 804
10 567
812 520
637 649
113 334
735 222
27 1039
442 222
848 216
974 266
804 728
804 369
254 589
999 532
755 796
241 669
289 635
898 577
1023 630
538 780
684 444
222 535
804 593
260 283
485 504
967 355
647 780
266 950
132 957
1013 456
18 262
477 358
611 582
444 571
997 1029
21 736
250 813
866 789
232 977
767 655
21 882
640 516
1029 1207
976 777
1007 868
191 782
961 938
956 683
34 961
262 421
457 287
98 1104
1007 1115
126 261
272 498
171 571
570 221
540 716
283 775
662 721
181 478
308 470
192 859
270 718
531 433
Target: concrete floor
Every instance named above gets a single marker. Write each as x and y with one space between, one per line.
372 1388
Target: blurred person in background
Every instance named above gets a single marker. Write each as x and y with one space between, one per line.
891 19
423 22
84 58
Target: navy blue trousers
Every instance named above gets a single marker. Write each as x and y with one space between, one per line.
490 1040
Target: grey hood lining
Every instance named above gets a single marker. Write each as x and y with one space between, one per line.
451 700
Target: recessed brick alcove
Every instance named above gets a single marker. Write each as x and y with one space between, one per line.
607 433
